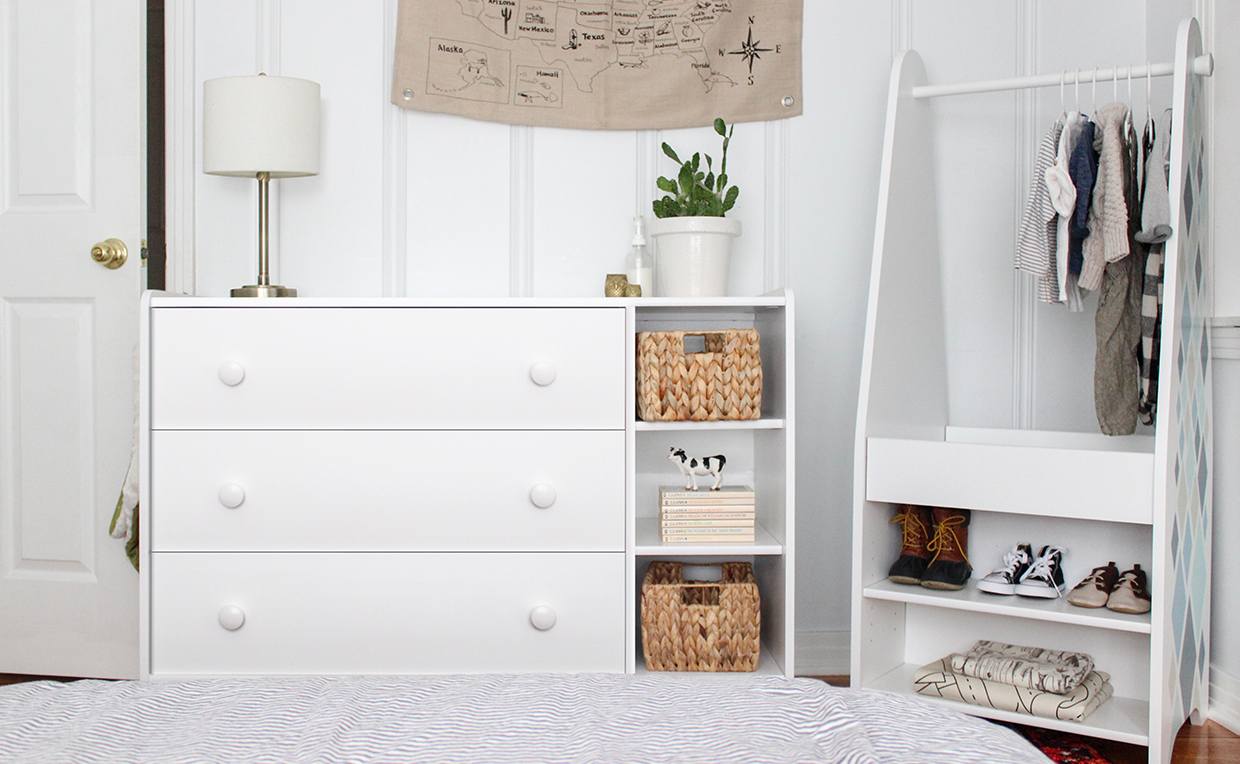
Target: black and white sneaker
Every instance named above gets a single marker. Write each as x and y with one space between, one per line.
1044 578
1003 580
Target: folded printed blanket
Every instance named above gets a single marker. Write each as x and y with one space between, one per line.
938 680
1055 671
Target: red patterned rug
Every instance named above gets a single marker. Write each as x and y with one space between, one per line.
1062 747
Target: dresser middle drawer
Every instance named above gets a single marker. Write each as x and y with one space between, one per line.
387 490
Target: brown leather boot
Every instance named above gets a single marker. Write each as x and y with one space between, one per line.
914 555
949 568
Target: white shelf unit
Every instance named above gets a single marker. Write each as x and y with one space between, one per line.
1136 499
760 453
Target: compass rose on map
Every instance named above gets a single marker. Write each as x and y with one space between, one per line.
749 49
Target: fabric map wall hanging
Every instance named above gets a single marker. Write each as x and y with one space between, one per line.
603 64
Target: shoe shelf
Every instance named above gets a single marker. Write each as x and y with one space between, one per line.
972 599
1119 718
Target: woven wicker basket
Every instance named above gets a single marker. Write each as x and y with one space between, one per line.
700 625
724 382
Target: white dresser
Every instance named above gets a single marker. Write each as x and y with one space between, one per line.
397 486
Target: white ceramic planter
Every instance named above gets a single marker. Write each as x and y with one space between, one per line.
693 255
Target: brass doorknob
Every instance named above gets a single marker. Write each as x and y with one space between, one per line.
110 253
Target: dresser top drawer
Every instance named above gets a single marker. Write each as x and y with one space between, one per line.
388 368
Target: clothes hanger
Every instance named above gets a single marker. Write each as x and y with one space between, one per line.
1076 87
1148 78
1094 90
1063 104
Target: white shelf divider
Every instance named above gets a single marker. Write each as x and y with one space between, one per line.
972 599
649 543
731 424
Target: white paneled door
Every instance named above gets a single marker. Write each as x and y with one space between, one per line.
72 105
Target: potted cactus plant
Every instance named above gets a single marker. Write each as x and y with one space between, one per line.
693 237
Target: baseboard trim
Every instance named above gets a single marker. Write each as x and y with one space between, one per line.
1224 699
822 653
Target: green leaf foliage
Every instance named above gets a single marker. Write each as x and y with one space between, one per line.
695 192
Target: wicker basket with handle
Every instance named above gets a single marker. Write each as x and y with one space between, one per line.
700 625
724 382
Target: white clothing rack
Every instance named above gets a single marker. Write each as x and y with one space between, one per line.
1202 65
1140 498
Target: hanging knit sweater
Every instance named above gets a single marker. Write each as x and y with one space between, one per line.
1036 242
1108 213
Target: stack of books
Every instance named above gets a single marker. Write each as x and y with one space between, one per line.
705 516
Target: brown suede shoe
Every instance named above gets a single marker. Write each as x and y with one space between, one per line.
949 568
1094 590
1131 594
914 555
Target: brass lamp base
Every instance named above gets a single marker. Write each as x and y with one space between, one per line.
263 290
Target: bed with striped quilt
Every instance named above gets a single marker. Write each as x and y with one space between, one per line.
545 718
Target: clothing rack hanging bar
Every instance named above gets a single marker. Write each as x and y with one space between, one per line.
1203 65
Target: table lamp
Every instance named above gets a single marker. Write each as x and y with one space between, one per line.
261 127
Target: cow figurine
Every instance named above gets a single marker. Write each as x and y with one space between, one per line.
693 468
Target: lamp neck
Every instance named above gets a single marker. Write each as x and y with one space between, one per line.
264 277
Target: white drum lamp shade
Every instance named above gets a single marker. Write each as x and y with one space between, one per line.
260 124
261 127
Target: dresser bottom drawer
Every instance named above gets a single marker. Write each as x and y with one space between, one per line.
386 613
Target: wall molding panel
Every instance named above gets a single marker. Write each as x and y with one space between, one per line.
775 227
180 134
901 26
395 255
1024 320
649 149
267 60
521 213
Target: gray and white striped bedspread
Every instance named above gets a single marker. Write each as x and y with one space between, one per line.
543 718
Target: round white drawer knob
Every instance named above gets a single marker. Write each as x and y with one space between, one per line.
542 495
543 373
543 617
231 495
232 617
231 373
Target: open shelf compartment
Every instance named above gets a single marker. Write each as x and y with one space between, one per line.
1122 719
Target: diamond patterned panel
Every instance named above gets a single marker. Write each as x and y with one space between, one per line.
1192 462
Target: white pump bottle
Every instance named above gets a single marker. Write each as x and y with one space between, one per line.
639 265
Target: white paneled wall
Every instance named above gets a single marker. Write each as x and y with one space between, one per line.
424 204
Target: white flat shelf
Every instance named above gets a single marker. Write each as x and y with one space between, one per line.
728 424
766 667
1122 719
649 543
1050 474
972 599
